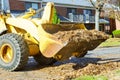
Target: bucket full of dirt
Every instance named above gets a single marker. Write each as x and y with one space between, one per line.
66 40
78 42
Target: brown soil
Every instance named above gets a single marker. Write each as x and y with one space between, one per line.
66 71
80 35
70 71
79 41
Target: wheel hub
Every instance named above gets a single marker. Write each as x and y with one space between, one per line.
6 53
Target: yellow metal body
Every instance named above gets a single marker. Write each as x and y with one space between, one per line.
6 53
38 32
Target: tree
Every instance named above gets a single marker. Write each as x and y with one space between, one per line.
55 19
98 5
113 11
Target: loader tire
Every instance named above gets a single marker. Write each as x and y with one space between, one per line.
41 60
13 52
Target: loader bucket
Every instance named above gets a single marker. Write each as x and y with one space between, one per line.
65 40
49 45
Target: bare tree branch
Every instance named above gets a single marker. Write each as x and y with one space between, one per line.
92 3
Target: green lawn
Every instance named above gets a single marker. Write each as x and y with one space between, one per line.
110 42
117 72
91 78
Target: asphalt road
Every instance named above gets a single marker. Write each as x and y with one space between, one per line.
98 55
105 54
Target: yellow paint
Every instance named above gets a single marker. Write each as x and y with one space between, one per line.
12 29
76 54
32 44
29 14
33 49
2 23
81 26
24 24
49 44
48 13
6 53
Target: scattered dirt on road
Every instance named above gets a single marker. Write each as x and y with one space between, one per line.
70 71
66 71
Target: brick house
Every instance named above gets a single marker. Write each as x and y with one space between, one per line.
63 9
68 10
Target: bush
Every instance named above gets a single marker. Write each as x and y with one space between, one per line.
116 33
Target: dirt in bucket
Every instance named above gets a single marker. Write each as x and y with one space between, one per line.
79 41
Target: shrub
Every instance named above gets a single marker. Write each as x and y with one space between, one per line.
116 33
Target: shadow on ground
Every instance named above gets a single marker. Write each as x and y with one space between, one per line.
78 63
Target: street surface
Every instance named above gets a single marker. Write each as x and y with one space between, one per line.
100 61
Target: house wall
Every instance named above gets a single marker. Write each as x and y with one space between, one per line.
117 24
112 25
17 5
61 11
20 5
79 11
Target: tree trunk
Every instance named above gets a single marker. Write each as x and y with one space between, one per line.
97 13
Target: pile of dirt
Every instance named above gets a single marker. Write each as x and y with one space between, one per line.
66 71
80 35
71 70
79 41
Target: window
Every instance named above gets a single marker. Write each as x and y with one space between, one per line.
31 5
70 13
71 10
35 6
87 13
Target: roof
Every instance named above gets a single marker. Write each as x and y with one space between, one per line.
71 3
31 0
68 3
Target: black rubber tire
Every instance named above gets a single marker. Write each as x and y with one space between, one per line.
20 51
41 60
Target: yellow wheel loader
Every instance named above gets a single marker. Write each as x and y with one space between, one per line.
24 36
